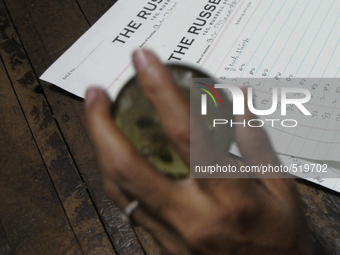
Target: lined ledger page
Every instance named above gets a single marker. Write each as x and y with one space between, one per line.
266 44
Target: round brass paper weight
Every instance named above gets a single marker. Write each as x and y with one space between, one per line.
136 118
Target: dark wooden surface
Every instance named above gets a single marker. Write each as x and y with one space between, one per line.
51 197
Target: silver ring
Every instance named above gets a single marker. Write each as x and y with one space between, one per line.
129 210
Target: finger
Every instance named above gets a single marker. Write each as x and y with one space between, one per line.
167 100
121 163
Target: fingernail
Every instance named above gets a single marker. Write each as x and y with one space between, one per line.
91 95
141 59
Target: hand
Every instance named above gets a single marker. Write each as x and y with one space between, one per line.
196 216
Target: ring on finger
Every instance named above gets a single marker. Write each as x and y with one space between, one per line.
129 210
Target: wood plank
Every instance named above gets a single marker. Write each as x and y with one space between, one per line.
93 10
55 25
323 217
335 198
31 214
147 241
5 248
69 185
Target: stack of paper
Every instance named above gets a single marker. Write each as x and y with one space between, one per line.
291 43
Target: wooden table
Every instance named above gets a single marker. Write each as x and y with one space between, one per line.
51 197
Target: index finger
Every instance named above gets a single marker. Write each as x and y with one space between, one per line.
167 100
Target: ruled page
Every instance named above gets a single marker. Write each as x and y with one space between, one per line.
266 44
275 43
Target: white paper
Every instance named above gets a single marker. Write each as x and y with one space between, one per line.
99 58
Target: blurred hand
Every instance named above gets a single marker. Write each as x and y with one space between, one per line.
196 216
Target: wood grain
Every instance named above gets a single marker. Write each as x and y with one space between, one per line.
55 25
31 214
69 185
93 10
323 217
5 248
